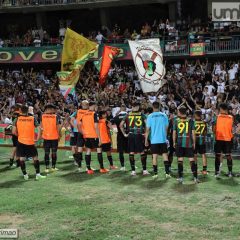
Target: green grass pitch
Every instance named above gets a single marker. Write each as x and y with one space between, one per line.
71 205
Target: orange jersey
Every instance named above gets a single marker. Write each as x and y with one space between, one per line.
88 125
80 114
104 131
224 125
49 127
25 128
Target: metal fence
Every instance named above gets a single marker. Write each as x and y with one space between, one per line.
212 46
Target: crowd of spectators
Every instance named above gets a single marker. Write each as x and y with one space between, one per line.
197 85
181 31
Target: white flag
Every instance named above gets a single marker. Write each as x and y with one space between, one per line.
148 60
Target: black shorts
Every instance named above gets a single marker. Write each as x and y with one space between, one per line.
91 143
106 147
14 140
50 144
136 143
184 152
80 140
223 147
122 143
73 139
159 148
201 149
24 150
77 140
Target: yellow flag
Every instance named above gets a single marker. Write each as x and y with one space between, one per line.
75 47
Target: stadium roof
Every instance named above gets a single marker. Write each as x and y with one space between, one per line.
76 4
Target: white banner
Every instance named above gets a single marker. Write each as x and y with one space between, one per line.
148 60
67 90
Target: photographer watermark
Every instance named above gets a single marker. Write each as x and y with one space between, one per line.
8 233
226 11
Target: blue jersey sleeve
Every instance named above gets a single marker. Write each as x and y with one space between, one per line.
73 115
149 121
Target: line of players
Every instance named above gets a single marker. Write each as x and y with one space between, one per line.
136 133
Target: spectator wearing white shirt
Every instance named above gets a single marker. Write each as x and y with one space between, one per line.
99 38
62 31
210 88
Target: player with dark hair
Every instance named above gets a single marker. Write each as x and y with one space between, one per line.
122 142
104 129
157 126
24 127
16 113
50 132
223 129
184 142
200 132
135 123
77 140
89 126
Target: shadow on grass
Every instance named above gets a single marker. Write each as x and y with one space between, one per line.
4 163
204 179
115 175
6 169
65 162
127 179
68 167
184 188
12 184
153 183
78 177
228 182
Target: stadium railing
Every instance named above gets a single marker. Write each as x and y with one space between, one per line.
171 47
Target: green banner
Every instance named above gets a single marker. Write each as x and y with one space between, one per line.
197 49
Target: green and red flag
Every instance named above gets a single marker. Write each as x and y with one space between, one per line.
197 49
108 55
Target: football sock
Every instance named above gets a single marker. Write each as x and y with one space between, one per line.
229 163
132 162
54 160
170 159
47 159
194 168
18 162
155 169
23 167
79 158
100 160
121 158
37 166
144 161
88 161
180 169
217 163
11 162
110 160
166 165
